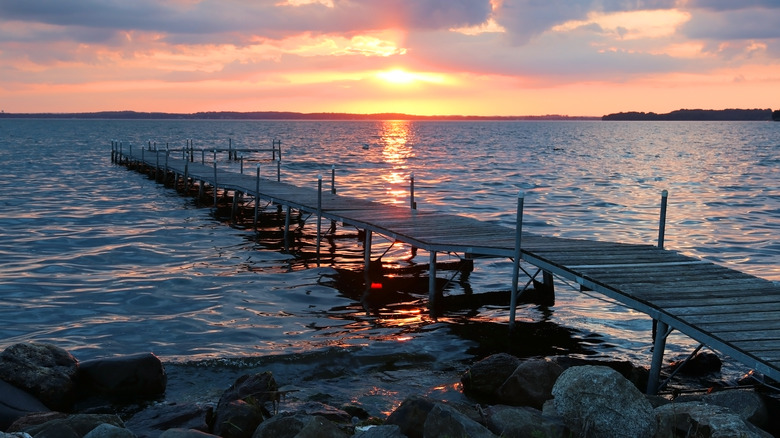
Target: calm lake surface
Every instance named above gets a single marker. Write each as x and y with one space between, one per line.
104 261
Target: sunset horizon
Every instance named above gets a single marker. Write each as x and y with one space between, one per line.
494 58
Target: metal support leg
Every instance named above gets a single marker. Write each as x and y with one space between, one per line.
658 357
287 229
432 283
367 251
516 259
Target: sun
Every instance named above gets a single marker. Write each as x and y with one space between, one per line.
401 77
397 76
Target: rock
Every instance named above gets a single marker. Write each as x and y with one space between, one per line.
71 426
185 433
511 421
597 401
257 389
297 426
531 383
444 421
15 435
486 376
703 421
139 375
109 431
237 419
701 364
15 404
384 431
45 371
748 404
410 416
321 409
31 420
160 417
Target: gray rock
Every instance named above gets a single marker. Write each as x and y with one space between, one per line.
597 401
486 376
511 422
75 426
237 419
160 417
298 426
15 435
109 431
444 421
703 420
410 416
383 431
746 403
140 375
321 409
258 389
185 433
45 371
15 404
531 383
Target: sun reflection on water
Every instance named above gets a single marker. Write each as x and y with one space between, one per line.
397 148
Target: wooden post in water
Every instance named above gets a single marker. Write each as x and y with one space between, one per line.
516 261
662 220
367 254
278 170
432 283
333 192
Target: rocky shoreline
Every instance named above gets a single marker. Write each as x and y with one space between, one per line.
46 392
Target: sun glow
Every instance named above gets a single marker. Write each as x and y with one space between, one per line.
399 76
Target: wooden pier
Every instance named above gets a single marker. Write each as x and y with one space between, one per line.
729 311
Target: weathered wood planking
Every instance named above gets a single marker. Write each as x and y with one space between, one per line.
733 312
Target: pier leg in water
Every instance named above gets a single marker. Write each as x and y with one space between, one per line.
432 284
545 289
662 332
516 259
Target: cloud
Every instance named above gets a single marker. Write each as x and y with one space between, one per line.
734 24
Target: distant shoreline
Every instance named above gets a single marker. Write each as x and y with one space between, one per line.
273 115
696 115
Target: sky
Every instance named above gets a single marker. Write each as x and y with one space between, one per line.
424 57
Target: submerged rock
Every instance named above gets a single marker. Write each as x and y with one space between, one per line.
298 426
512 421
410 416
45 371
445 421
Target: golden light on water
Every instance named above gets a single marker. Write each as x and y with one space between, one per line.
397 150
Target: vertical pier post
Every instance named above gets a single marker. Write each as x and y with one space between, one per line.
662 220
319 215
257 195
278 170
412 202
516 261
287 215
215 178
333 179
432 283
367 253
662 331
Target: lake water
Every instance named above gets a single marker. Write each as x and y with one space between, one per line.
103 261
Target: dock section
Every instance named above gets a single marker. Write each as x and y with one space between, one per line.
729 311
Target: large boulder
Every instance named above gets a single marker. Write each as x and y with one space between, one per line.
522 421
298 426
531 383
597 401
445 421
161 417
45 371
134 376
72 426
259 389
410 416
486 376
703 420
237 419
15 404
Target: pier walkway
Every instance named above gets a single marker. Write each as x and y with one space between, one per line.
729 311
